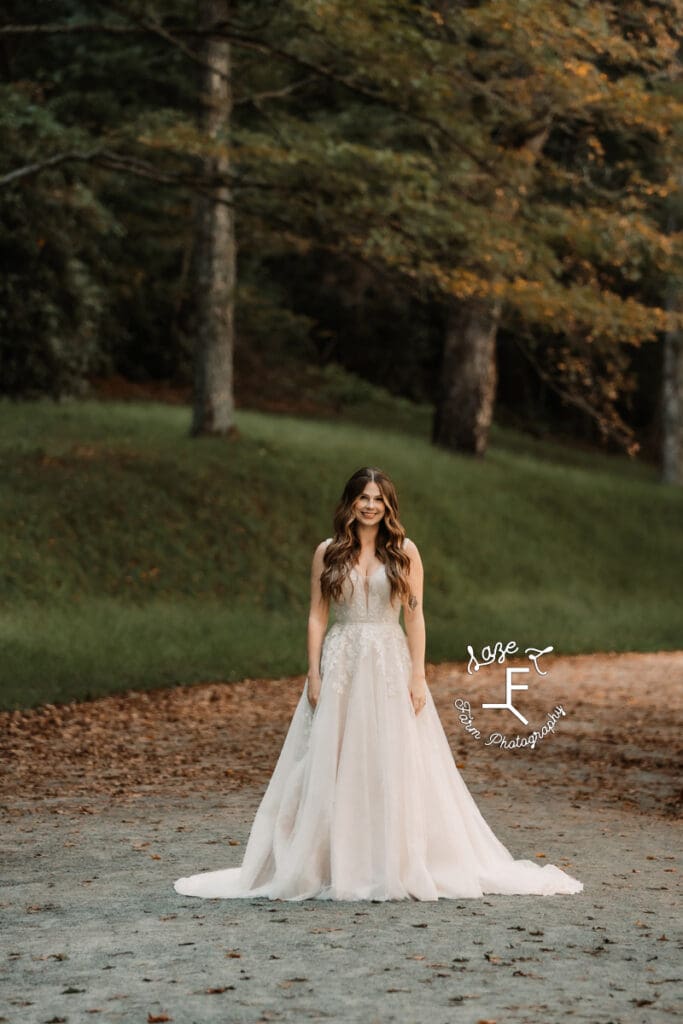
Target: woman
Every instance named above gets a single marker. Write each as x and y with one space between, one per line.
366 802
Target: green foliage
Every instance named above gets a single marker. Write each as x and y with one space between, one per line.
51 301
497 150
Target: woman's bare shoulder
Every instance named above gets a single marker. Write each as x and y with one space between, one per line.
412 551
320 549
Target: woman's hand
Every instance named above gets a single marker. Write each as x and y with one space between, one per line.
418 693
313 690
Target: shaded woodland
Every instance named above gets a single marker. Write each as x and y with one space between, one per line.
476 205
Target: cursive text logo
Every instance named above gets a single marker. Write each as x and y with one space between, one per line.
500 740
499 653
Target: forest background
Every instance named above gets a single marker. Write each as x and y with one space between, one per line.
443 238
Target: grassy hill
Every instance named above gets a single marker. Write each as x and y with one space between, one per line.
134 556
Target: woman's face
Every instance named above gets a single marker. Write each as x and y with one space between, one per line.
369 506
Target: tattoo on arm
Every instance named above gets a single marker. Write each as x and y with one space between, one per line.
412 602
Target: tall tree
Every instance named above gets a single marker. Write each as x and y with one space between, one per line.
213 410
576 82
466 390
672 401
672 375
672 361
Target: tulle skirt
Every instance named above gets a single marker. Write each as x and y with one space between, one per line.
366 802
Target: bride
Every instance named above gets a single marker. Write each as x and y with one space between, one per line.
365 801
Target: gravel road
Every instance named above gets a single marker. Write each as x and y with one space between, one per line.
92 929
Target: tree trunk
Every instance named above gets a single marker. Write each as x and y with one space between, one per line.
213 411
467 384
672 403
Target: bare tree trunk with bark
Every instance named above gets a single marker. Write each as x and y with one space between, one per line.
672 402
213 411
467 384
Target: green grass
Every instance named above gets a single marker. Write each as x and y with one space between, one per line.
135 557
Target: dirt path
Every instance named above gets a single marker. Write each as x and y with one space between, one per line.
105 803
619 743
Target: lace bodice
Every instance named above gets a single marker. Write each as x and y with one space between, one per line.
366 599
366 630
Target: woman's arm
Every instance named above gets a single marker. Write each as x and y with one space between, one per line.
415 626
317 619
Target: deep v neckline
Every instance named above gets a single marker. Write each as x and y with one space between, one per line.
366 582
363 576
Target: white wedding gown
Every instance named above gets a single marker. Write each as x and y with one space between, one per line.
366 802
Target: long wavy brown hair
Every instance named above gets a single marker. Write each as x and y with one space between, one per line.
342 552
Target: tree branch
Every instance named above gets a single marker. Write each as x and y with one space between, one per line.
614 428
86 27
41 165
109 160
275 94
223 30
